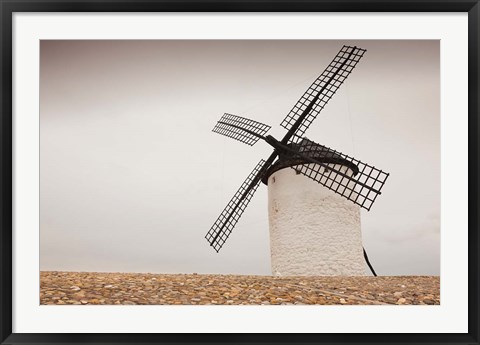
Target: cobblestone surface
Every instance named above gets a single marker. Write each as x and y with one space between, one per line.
84 288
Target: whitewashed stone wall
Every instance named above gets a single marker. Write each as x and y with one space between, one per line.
313 231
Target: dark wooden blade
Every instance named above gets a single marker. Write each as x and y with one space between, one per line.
240 128
223 226
320 92
356 181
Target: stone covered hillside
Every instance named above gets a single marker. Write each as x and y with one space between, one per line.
83 288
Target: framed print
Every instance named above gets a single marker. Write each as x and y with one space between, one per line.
239 172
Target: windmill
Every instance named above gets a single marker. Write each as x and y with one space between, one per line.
345 177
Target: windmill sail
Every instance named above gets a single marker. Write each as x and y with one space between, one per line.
240 128
356 181
319 93
223 226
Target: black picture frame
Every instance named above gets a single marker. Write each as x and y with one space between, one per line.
7 9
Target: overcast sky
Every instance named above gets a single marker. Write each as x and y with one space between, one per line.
132 177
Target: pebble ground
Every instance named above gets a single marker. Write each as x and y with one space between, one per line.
86 288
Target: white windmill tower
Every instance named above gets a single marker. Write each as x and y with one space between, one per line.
315 193
327 239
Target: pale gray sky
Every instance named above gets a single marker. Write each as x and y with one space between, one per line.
132 177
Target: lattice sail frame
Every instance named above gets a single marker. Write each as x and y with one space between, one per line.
223 226
238 128
361 187
323 88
